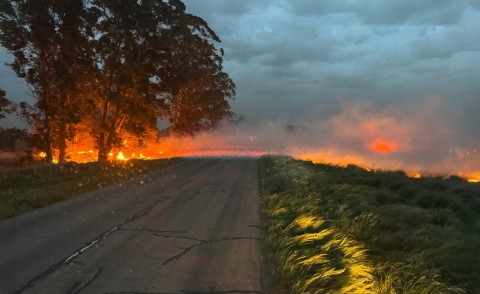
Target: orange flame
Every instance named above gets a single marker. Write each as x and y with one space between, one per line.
382 146
121 157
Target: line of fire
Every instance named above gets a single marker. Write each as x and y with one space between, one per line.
116 82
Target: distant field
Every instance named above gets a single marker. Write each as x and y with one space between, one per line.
347 230
27 188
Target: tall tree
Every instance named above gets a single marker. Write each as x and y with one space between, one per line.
27 30
124 100
197 89
155 61
73 66
116 66
49 40
9 136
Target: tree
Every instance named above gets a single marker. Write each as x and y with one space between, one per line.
48 39
27 31
125 99
197 88
73 66
155 61
116 66
10 136
6 106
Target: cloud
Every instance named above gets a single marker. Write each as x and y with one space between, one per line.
300 61
378 12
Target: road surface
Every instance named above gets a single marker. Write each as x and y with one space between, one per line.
193 227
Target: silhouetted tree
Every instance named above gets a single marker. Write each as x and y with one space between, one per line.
49 40
6 106
116 66
155 61
9 136
197 88
73 66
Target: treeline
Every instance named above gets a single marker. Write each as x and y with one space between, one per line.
9 136
114 68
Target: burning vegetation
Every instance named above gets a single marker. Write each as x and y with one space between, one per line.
104 74
382 146
108 71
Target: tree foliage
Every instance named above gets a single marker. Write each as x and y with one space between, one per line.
6 106
43 36
116 67
9 136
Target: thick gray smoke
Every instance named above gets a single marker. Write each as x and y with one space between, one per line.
420 136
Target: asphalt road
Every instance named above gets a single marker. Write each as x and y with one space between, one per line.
193 227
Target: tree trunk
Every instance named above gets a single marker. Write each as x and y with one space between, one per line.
102 154
62 130
48 140
106 146
62 144
102 150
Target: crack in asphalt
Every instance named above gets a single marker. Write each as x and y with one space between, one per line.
205 242
179 237
193 292
88 283
223 292
153 231
30 283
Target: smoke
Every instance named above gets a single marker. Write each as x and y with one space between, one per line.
422 135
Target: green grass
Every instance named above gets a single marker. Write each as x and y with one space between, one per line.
347 230
24 189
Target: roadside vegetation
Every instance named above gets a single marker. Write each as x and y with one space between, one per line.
27 188
346 230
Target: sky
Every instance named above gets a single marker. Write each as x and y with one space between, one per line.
298 59
349 72
356 72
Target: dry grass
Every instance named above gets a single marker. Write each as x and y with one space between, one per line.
27 188
346 230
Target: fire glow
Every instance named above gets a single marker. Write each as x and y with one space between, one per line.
397 139
382 146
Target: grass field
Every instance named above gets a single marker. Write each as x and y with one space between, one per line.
347 230
27 188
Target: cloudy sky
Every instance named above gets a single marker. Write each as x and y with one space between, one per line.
297 59
293 60
350 71
355 72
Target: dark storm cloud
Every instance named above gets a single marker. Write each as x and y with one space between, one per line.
350 72
297 59
379 12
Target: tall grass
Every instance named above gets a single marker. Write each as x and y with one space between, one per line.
346 230
24 189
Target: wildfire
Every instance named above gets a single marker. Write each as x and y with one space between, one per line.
382 146
473 178
121 157
414 175
372 157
